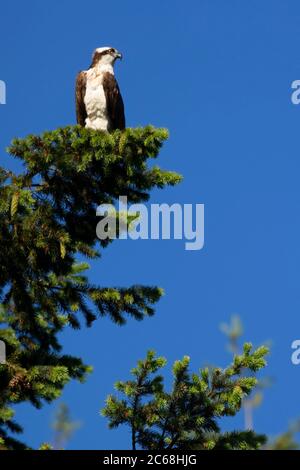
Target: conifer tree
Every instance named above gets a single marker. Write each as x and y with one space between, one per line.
188 416
47 219
234 331
288 440
64 427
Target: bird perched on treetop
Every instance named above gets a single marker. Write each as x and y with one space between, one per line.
99 104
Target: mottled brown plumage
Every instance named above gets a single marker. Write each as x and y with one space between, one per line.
99 104
114 101
80 93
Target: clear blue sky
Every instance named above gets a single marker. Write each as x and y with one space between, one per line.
218 75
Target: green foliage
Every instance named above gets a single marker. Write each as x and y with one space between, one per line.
188 416
234 330
64 427
288 440
47 219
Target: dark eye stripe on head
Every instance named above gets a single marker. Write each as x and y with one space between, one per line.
97 55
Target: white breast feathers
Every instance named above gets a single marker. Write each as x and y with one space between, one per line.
95 101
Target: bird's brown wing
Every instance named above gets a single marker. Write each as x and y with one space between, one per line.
114 102
80 94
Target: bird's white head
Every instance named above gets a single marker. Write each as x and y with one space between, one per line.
105 57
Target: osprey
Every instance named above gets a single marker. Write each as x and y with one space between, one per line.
99 104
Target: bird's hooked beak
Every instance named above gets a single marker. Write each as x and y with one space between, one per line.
118 55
